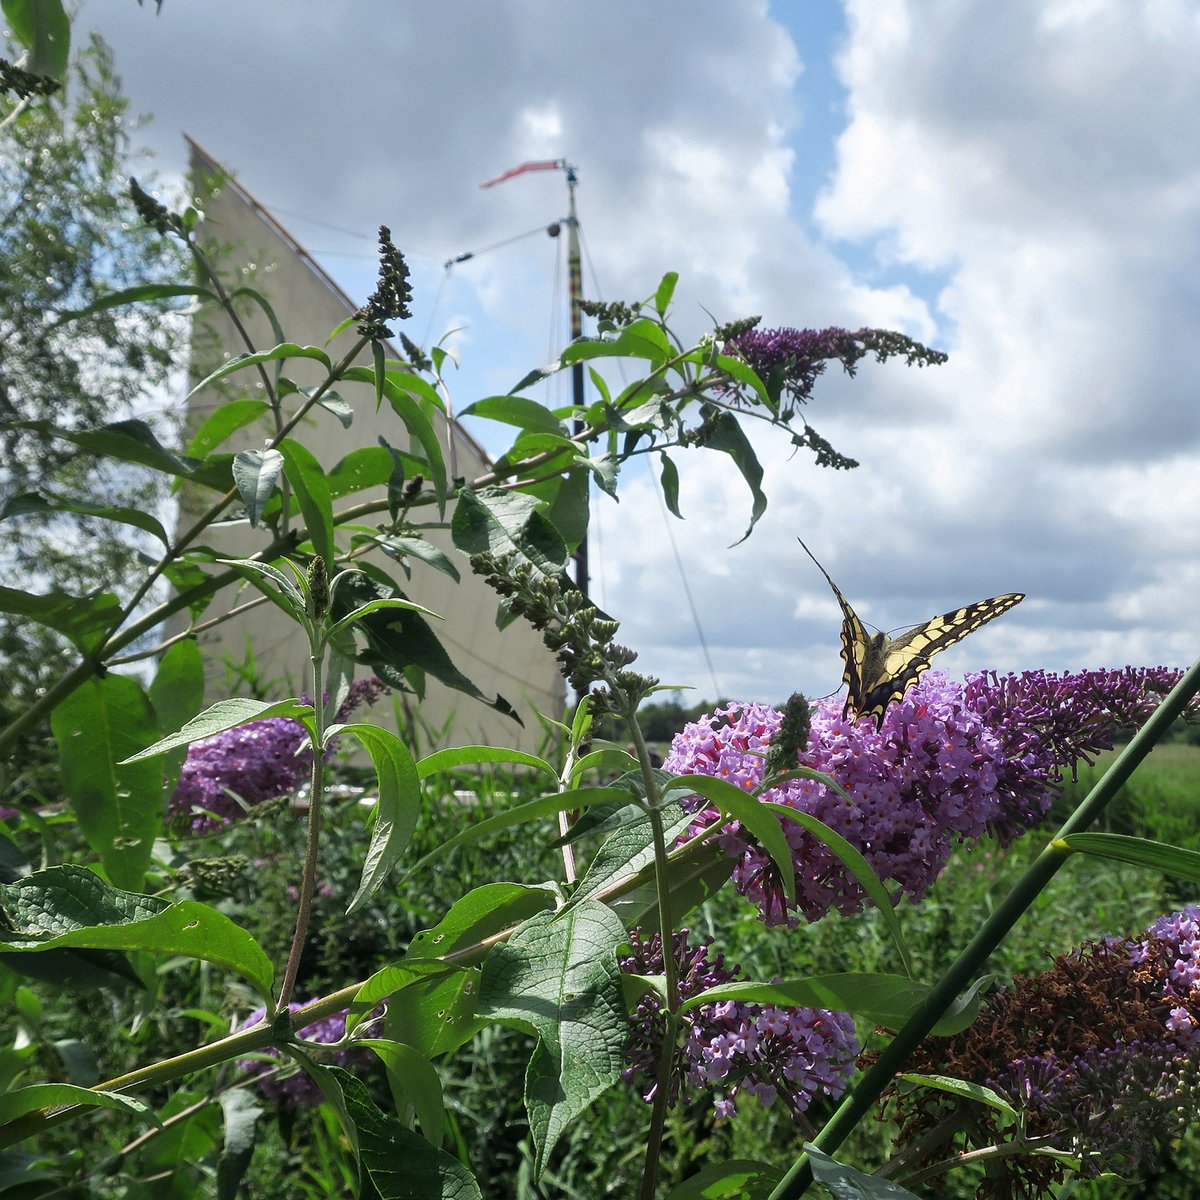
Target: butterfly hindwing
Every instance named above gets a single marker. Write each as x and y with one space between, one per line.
880 669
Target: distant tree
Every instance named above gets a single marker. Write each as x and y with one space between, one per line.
68 236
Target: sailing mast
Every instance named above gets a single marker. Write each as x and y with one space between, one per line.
575 296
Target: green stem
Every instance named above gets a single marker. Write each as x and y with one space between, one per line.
308 883
995 929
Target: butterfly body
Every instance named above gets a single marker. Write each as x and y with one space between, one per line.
880 669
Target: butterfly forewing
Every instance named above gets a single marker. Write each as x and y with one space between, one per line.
880 669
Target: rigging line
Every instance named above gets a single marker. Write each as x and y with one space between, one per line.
437 298
469 254
666 518
687 591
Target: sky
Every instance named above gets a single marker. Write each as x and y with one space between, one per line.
1016 184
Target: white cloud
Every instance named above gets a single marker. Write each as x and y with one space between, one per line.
1018 183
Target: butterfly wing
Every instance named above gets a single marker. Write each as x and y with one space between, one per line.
880 669
903 660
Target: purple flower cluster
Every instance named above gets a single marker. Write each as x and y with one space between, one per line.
765 1051
803 353
951 761
228 773
298 1090
1117 1103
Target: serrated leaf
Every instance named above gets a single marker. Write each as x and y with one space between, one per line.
223 421
31 504
390 981
401 1164
846 1183
480 914
60 908
395 812
226 714
738 1179
119 804
503 522
276 354
130 441
49 1095
255 474
557 977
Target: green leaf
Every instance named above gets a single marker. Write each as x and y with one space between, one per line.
726 435
226 714
61 907
398 639
177 694
396 809
856 864
44 28
391 980
401 547
557 977
567 502
61 899
242 1115
134 295
436 1014
519 411
1139 852
666 289
119 805
255 474
414 1082
84 620
883 999
31 504
531 810
49 1095
738 1179
961 1087
366 467
307 478
399 388
669 478
130 441
848 1184
277 353
502 522
223 421
471 756
640 339
401 1164
754 816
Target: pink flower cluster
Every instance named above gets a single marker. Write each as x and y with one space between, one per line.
765 1051
228 773
950 761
